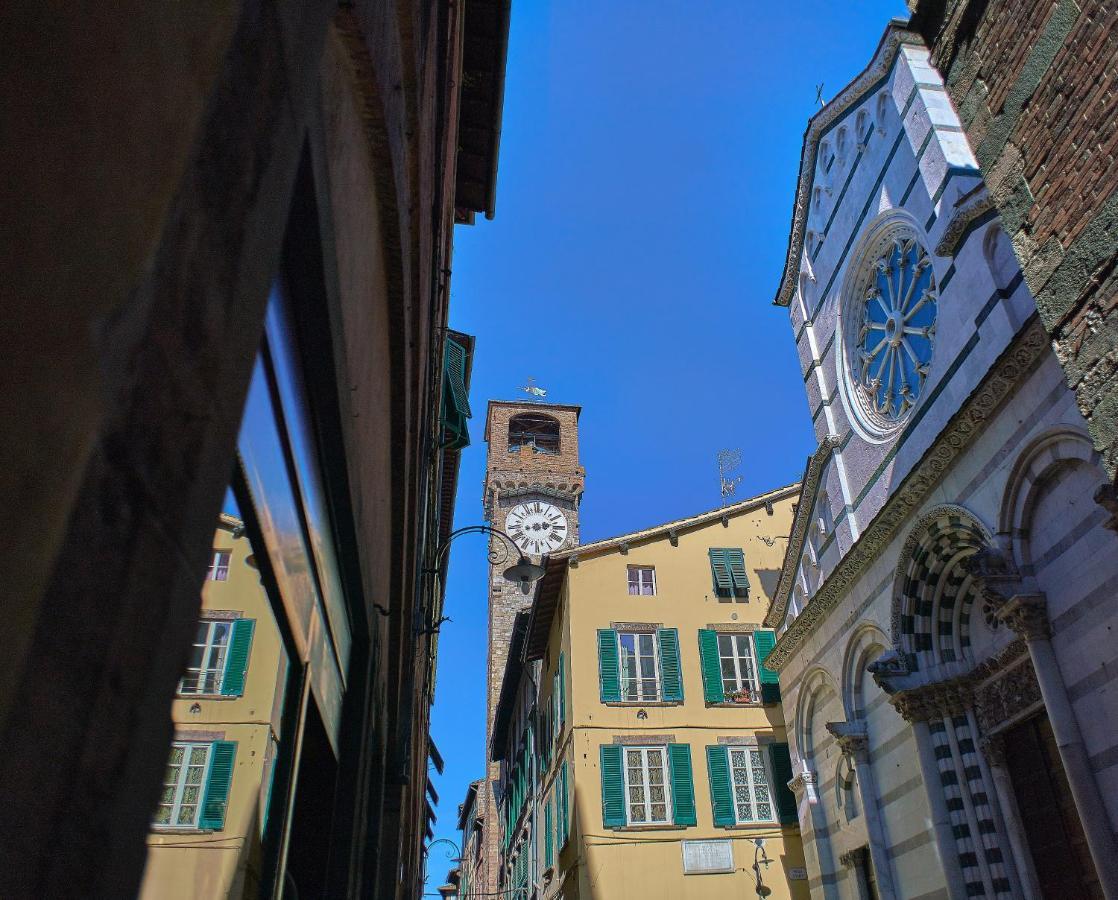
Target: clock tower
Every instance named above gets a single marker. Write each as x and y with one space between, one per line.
533 485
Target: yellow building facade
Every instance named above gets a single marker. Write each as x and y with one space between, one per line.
206 833
663 763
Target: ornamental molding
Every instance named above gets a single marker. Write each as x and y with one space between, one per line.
1007 699
918 531
1027 616
855 857
896 35
816 464
851 737
974 207
1011 367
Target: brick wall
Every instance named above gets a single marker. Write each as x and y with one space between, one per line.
1035 85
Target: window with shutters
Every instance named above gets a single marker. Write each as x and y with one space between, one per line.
640 666
219 566
752 797
642 581
181 802
206 664
736 658
647 795
727 569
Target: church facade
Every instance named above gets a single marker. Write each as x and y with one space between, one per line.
946 607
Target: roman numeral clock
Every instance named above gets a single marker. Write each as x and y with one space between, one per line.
537 527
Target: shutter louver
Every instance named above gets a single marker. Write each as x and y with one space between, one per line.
720 572
763 643
711 666
780 762
564 806
219 778
548 853
671 676
456 403
562 690
721 791
683 784
609 666
236 658
613 787
735 559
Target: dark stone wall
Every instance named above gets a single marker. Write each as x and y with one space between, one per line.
1035 83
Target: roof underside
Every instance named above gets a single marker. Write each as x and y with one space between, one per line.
509 684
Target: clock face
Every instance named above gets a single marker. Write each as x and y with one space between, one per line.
537 527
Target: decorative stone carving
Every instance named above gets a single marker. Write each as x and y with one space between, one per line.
993 748
1014 364
1027 616
1007 698
938 700
803 786
851 738
996 578
854 858
969 210
888 669
1107 497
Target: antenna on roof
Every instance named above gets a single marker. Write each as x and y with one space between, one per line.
728 461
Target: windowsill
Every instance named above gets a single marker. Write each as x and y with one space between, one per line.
733 704
667 826
174 829
639 703
208 696
745 826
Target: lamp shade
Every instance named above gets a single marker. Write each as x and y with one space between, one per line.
525 573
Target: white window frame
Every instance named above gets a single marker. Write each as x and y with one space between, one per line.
213 659
624 679
180 785
645 783
219 565
638 587
747 681
750 783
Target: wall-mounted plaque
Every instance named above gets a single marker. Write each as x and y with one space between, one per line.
707 857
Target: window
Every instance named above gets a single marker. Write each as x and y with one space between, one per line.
219 566
182 787
642 581
752 800
646 785
736 661
640 669
727 568
206 666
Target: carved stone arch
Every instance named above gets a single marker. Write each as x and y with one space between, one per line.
815 684
1046 455
861 643
933 590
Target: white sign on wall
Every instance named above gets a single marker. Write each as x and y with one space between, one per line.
707 857
797 874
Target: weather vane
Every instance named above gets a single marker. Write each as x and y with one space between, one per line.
728 460
532 390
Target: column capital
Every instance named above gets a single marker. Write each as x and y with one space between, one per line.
1027 615
851 738
853 857
937 700
993 748
997 579
803 783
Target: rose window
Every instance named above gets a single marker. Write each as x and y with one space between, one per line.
892 350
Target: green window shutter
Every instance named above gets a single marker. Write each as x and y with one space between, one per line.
564 806
720 572
780 766
711 666
547 851
735 560
683 784
609 666
456 403
218 780
671 677
613 787
562 690
721 791
763 642
236 658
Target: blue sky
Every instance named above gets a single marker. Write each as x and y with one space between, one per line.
648 163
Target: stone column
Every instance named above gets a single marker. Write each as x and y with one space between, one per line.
817 851
1027 615
915 708
853 741
993 749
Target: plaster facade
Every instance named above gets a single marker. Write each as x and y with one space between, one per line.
949 583
585 593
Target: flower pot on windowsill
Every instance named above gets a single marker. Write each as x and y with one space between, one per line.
744 696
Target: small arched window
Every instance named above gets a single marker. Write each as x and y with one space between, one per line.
535 431
846 790
882 111
840 145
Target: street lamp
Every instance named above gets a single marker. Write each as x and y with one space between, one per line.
524 573
761 858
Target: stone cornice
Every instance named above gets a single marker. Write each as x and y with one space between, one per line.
1017 360
896 34
800 524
